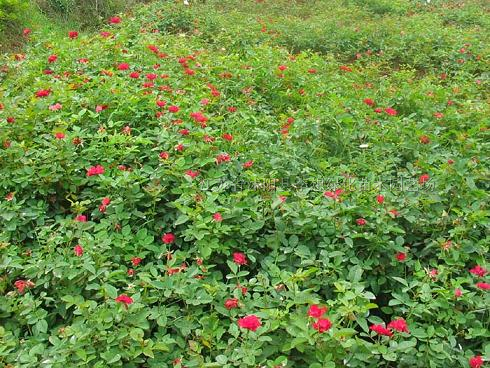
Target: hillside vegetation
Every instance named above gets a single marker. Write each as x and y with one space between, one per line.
243 183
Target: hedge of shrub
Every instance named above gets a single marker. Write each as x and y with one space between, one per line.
186 188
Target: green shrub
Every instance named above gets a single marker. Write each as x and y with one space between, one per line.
11 12
173 181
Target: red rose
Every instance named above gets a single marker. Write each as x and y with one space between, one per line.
251 322
368 101
391 111
43 93
95 170
400 256
478 271
483 285
316 311
239 258
81 218
322 325
399 325
115 20
381 330
168 238
228 137
136 261
192 174
248 164
231 303
424 178
458 292
476 361
78 250
124 299
123 66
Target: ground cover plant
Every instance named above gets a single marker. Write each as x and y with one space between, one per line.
249 184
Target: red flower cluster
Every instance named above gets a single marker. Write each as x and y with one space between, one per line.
399 325
478 271
21 285
231 303
95 170
168 238
321 324
239 258
124 299
251 322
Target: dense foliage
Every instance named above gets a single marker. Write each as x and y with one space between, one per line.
249 184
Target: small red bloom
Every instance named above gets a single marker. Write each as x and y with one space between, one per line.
136 261
231 303
424 139
100 108
217 217
21 285
400 256
381 330
458 293
59 135
282 67
438 115
168 238
232 109
251 322
43 93
316 311
115 20
391 111
164 155
399 325
345 68
26 32
10 119
228 137
222 157
380 199
424 178
476 361
312 71
322 325
173 109
124 299
78 250
81 218
134 75
239 258
73 34
361 222
95 170
56 107
52 58
483 285
334 195
369 101
192 174
248 164
478 271
123 66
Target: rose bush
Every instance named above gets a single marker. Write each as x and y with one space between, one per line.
201 187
